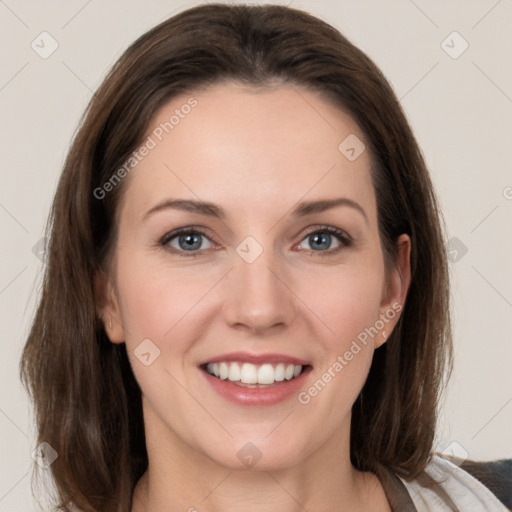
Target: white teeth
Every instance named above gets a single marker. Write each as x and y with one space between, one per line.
248 373
234 372
266 374
288 372
279 372
223 371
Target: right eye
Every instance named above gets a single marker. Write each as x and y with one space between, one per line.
185 240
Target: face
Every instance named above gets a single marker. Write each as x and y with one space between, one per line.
265 278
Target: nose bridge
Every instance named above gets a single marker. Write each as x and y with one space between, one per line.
258 296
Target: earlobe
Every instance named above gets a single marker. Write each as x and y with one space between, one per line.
382 337
107 307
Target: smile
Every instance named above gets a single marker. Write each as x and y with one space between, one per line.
252 374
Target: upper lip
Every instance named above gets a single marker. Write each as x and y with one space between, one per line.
258 359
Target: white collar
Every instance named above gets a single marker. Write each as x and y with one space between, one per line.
466 492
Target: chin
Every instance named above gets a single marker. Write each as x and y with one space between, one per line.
256 455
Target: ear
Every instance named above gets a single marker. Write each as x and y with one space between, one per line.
107 307
395 290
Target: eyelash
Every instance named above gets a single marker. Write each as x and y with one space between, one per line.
344 239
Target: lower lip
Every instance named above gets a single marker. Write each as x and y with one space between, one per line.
272 395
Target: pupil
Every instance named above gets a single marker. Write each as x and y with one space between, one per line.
189 241
321 238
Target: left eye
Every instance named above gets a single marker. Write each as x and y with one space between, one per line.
322 240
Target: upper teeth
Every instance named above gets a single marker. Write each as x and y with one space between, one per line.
249 373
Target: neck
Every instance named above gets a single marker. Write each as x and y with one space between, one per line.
180 478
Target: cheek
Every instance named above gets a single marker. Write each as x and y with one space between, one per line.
348 300
154 298
159 304
350 309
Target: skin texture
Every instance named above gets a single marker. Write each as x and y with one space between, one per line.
255 153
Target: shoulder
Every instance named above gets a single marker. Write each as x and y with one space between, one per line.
470 486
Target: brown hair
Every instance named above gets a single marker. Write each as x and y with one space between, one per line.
87 402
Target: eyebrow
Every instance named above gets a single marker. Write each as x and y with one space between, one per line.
212 210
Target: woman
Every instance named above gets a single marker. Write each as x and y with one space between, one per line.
246 294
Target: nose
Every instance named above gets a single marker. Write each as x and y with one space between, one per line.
258 295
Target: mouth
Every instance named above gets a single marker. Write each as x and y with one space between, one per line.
249 375
257 380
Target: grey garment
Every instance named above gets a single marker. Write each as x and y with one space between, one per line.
495 475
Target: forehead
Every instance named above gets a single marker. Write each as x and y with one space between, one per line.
253 149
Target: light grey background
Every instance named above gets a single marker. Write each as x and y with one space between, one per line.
460 110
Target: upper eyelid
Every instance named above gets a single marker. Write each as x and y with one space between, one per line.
188 229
